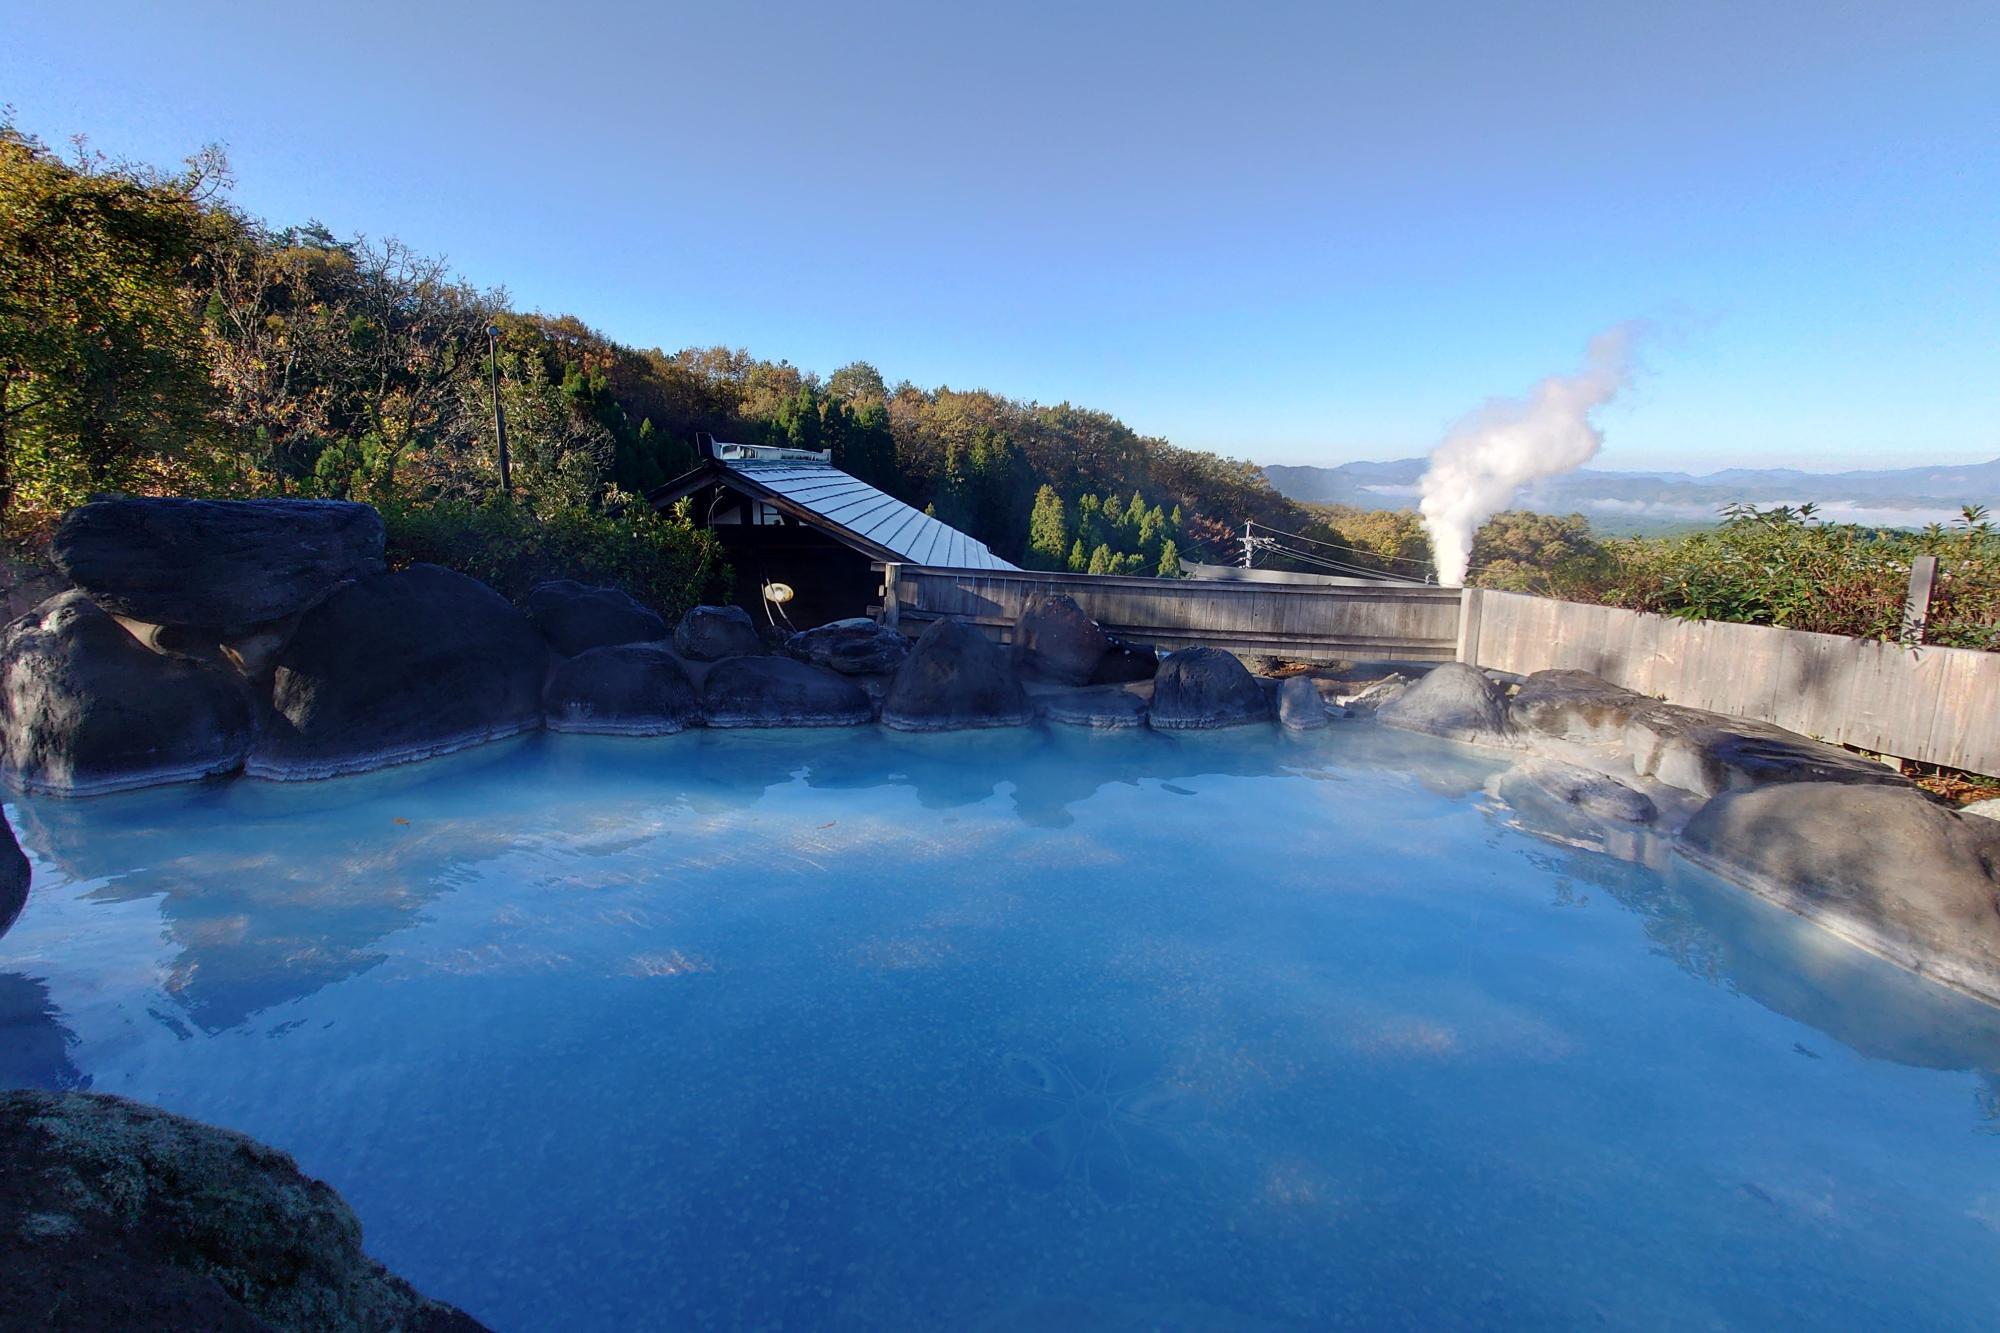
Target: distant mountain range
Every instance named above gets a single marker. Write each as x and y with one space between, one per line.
1662 501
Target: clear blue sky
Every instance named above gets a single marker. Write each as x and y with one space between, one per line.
1296 233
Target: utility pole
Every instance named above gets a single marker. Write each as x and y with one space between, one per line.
1249 545
499 412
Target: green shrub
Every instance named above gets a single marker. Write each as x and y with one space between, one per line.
664 562
1781 566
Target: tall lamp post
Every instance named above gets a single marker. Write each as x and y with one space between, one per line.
499 412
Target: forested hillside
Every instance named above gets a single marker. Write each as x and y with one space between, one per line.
155 339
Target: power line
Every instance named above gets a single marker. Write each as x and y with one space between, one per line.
1322 562
1328 563
1337 546
1425 565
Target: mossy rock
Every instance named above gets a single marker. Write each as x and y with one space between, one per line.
115 1215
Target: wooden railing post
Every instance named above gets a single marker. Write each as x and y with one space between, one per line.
892 602
1468 626
1917 606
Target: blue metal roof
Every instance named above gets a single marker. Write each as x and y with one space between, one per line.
873 515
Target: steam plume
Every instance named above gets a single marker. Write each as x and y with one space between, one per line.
1486 460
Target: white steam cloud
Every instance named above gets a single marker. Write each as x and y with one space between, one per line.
1486 460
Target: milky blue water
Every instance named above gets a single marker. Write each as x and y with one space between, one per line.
1018 1031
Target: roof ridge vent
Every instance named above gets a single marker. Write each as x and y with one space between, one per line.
769 453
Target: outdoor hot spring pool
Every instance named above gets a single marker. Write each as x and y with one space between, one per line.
1017 1030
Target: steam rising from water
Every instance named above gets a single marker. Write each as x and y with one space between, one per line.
1486 460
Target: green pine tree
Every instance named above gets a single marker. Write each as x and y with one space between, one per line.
1170 560
1047 530
1090 521
1151 526
1100 560
1078 562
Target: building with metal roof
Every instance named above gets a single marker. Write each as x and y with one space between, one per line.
793 522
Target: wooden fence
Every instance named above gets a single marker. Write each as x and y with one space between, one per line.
1935 705
1380 622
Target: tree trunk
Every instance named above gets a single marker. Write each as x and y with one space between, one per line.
6 452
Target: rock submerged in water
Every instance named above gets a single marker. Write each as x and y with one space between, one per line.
576 617
1055 641
227 565
1452 700
623 689
1536 781
1098 707
955 679
14 875
781 692
1199 689
115 1215
1883 866
86 709
400 667
856 646
711 633
1300 706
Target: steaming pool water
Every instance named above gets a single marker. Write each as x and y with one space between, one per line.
1017 1030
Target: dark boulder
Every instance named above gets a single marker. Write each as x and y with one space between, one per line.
1197 689
1452 700
1543 782
711 633
400 667
853 647
624 689
1124 662
1576 706
1300 706
955 678
85 708
249 652
223 564
1706 753
1099 707
576 617
1883 866
115 1215
1055 641
781 692
13 876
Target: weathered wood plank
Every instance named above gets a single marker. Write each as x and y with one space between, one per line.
1412 623
1935 705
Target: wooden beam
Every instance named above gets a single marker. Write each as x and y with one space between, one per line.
892 601
1917 605
1468 626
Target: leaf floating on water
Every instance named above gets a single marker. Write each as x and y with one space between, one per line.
402 821
829 823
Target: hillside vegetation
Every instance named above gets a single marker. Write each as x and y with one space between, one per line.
154 339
